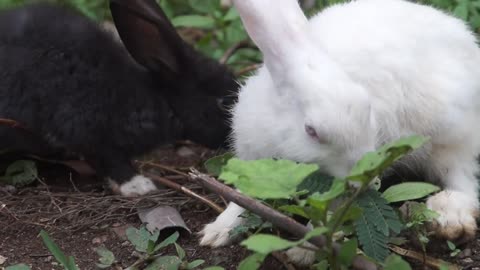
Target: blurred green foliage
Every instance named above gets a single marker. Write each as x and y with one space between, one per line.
215 26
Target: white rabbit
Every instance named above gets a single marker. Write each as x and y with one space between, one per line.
354 77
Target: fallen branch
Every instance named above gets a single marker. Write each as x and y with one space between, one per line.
276 218
177 187
424 259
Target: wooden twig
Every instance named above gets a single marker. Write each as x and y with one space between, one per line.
161 166
230 51
276 218
183 189
424 259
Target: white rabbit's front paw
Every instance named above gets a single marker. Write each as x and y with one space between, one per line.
215 235
300 256
457 215
218 233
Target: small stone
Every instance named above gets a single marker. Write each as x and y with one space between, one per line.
185 152
48 259
465 253
2 259
467 261
99 240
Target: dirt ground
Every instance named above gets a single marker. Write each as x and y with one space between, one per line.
80 216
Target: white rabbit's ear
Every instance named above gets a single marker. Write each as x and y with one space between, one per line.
278 28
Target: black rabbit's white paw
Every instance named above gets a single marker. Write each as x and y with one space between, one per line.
458 212
300 256
138 185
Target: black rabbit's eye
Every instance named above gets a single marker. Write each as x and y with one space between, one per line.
222 104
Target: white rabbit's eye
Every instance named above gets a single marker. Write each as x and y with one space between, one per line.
311 131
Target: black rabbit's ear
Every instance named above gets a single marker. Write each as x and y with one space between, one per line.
147 34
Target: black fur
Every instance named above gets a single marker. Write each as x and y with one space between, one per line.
77 88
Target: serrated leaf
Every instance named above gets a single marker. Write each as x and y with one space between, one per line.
20 173
106 256
377 211
18 267
141 238
409 191
348 250
195 264
252 262
373 242
316 182
395 262
168 241
255 177
196 21
165 263
214 165
373 163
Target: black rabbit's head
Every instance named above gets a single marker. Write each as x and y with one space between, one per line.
198 89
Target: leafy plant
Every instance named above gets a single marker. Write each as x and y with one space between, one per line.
68 262
341 209
453 248
20 173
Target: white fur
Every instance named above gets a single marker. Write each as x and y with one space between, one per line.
138 185
217 233
362 74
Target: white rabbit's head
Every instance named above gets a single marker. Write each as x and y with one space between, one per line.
336 111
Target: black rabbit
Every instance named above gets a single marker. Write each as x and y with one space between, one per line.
77 88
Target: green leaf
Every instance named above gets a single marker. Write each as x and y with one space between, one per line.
141 238
214 165
168 241
20 173
409 191
231 15
318 200
196 21
265 243
195 264
373 163
373 241
461 10
395 262
106 257
294 209
419 213
451 245
204 6
18 267
214 268
54 249
255 177
251 222
316 182
348 250
252 262
165 263
322 265
180 251
377 210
